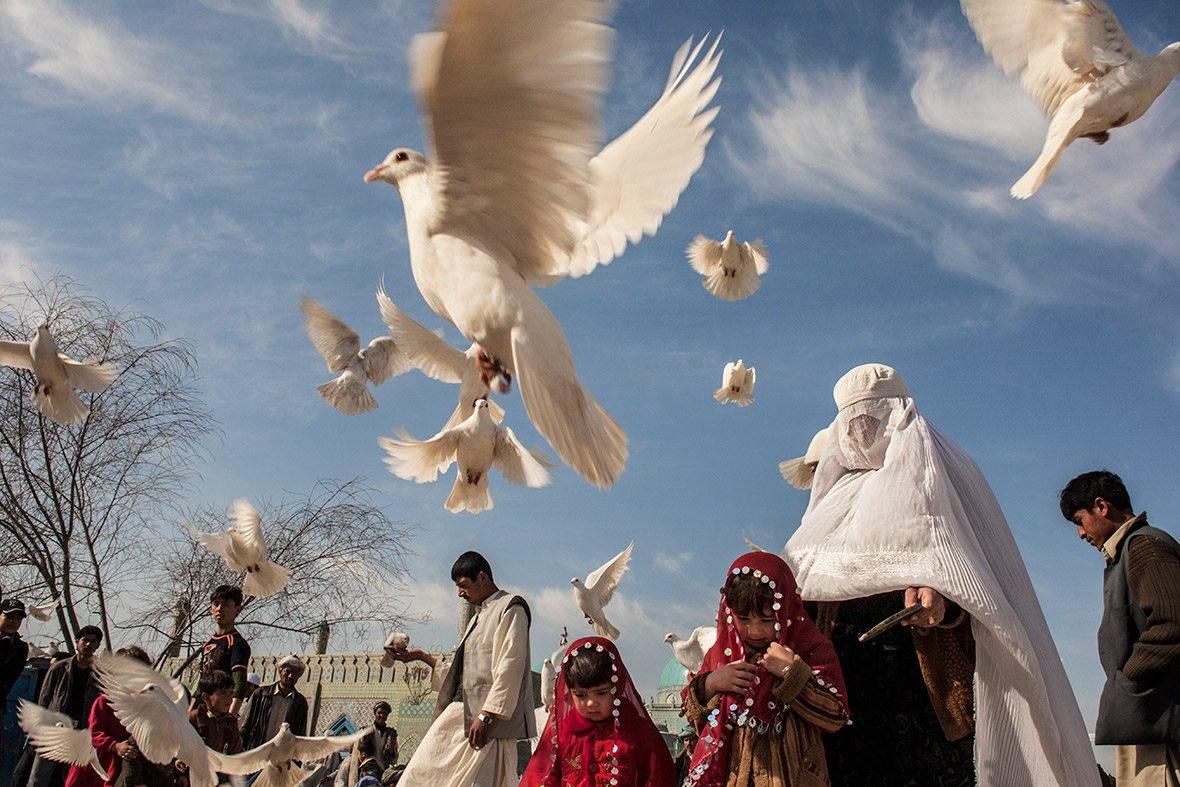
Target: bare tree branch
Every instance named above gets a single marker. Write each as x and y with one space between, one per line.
74 498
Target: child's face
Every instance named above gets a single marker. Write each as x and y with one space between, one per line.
595 703
756 629
224 611
220 700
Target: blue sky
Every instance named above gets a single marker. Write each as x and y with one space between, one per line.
203 162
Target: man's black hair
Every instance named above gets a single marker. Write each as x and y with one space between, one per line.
365 746
1080 493
587 668
217 680
227 593
469 565
89 631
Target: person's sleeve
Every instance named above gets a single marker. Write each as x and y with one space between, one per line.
509 667
812 703
104 729
239 676
1153 573
233 738
12 667
49 686
239 666
696 709
389 750
299 717
438 674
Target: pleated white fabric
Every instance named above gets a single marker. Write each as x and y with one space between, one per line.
896 503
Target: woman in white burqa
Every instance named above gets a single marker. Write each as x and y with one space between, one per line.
899 512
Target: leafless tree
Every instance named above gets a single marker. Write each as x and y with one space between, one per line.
75 501
347 561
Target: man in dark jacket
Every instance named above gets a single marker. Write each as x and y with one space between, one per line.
69 687
1139 639
278 702
14 652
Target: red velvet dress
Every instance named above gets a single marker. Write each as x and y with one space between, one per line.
625 751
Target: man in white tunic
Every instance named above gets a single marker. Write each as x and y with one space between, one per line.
485 696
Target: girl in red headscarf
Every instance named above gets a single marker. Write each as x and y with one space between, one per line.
769 685
598 733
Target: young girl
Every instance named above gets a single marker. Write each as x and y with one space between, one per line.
769 686
598 733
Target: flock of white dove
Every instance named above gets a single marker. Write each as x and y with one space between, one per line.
516 195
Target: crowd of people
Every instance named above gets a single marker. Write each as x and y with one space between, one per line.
231 710
968 689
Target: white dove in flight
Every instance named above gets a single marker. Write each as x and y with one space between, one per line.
244 549
1074 59
45 612
475 445
53 736
737 384
57 376
437 359
730 269
277 757
800 471
596 592
691 652
154 709
511 197
340 346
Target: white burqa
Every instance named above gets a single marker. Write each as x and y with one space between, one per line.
896 503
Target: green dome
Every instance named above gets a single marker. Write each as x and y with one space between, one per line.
673 675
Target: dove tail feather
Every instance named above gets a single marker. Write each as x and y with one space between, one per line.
725 396
267 581
797 473
728 288
1062 131
347 396
469 497
606 629
62 406
580 430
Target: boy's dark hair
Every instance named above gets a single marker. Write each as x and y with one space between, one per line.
365 746
469 565
135 652
93 632
217 680
587 668
227 593
1080 493
747 595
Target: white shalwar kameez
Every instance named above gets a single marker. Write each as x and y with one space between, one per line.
495 660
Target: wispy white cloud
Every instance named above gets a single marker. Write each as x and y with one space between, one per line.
671 564
15 263
937 168
69 56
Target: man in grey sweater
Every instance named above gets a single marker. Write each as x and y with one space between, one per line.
1139 638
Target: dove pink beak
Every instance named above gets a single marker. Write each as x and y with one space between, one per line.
374 173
